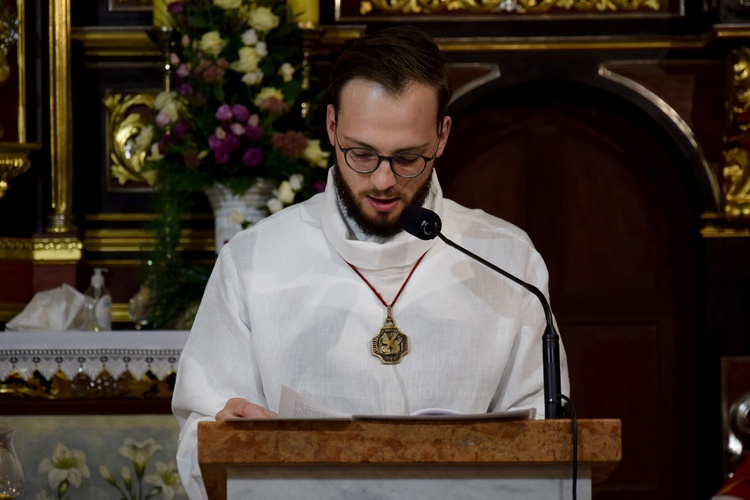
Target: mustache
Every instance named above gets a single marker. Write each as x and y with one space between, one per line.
388 193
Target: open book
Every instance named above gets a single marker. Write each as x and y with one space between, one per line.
295 405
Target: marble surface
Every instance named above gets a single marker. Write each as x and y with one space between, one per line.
472 482
360 445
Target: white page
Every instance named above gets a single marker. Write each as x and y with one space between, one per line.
295 405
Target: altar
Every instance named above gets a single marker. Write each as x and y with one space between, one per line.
101 399
78 365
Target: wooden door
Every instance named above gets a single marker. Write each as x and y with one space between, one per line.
602 193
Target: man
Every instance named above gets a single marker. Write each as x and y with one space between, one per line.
331 298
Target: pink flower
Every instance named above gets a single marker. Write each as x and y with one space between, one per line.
291 143
237 129
274 105
224 113
163 119
182 71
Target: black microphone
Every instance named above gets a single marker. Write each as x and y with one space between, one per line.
426 225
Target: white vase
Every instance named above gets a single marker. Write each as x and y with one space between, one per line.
231 209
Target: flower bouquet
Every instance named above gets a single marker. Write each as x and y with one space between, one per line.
235 114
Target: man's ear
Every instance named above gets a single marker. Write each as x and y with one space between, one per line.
331 124
445 131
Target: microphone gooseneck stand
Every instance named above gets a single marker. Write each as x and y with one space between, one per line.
426 225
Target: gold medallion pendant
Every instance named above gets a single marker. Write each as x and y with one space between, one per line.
390 345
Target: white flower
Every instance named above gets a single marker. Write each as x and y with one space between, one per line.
274 205
168 106
237 218
162 98
228 4
167 479
287 72
65 465
138 452
284 193
247 62
106 474
252 77
315 155
296 181
267 92
262 49
144 138
263 19
249 37
155 153
211 43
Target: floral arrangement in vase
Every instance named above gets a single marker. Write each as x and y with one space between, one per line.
233 122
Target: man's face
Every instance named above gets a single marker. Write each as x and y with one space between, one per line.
369 117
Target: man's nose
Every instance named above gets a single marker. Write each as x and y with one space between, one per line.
383 177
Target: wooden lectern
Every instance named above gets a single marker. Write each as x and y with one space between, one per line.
377 454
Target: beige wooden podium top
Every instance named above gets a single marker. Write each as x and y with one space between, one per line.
443 441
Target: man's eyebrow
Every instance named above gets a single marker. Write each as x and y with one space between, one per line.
361 144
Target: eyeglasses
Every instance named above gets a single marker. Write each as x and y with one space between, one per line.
367 161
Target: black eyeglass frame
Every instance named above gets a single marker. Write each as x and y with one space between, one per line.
380 157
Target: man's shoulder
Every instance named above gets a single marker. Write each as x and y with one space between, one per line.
477 221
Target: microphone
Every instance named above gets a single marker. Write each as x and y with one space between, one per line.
426 225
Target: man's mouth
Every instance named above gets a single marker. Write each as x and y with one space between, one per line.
383 204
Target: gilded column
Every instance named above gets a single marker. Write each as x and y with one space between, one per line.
61 119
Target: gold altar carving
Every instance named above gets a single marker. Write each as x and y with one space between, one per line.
736 171
60 387
498 6
14 160
41 249
127 117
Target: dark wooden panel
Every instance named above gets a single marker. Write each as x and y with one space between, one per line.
600 192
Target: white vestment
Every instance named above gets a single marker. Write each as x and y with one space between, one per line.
283 307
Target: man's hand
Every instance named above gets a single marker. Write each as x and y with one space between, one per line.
242 408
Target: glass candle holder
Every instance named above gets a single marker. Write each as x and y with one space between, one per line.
11 474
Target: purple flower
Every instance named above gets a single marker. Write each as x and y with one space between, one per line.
176 7
214 143
240 112
185 89
181 128
319 187
224 113
252 157
220 156
253 132
231 143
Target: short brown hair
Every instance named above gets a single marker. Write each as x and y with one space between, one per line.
394 58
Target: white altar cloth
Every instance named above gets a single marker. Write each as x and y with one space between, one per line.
74 352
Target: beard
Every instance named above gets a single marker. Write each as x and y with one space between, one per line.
379 225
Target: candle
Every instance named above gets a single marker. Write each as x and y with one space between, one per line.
162 17
304 12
